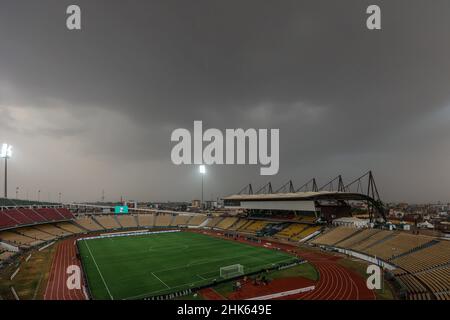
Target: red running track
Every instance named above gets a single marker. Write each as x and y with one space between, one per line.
57 289
335 281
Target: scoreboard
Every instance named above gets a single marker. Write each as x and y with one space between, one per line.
121 209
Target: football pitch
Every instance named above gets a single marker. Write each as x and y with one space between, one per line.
136 267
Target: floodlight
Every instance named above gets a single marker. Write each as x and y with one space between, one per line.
202 169
6 151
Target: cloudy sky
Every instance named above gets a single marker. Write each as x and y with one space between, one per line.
94 109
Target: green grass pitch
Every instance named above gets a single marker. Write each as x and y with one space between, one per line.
135 267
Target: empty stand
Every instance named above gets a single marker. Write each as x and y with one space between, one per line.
334 235
163 220
70 227
107 221
180 220
197 220
127 221
88 223
226 223
213 221
146 220
11 218
18 239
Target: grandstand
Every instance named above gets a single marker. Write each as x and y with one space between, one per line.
53 230
226 223
239 224
70 227
163 220
88 223
197 220
180 220
107 221
253 226
127 221
18 239
422 262
146 220
335 235
35 233
11 218
212 222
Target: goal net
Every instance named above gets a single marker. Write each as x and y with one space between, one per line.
234 270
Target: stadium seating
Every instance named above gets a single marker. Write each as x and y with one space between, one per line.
253 226
18 239
107 221
146 220
423 261
396 245
180 220
432 256
127 221
213 221
24 216
438 280
163 220
36 234
239 224
357 238
291 230
372 240
51 229
88 223
70 227
226 223
197 220
32 214
305 233
334 235
65 213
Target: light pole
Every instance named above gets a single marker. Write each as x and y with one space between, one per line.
202 170
39 195
6 152
17 192
60 197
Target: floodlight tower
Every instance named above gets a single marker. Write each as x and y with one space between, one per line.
202 170
6 153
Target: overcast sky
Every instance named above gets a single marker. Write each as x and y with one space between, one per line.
94 109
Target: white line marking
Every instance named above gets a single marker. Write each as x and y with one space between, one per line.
160 280
201 277
103 279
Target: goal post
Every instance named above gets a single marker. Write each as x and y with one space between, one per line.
231 271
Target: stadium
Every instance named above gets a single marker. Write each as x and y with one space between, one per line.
283 244
207 156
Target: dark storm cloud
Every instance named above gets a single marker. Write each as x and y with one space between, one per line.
346 99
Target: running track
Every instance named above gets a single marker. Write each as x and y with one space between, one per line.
335 281
57 289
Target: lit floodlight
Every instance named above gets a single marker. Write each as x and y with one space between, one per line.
202 169
6 151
